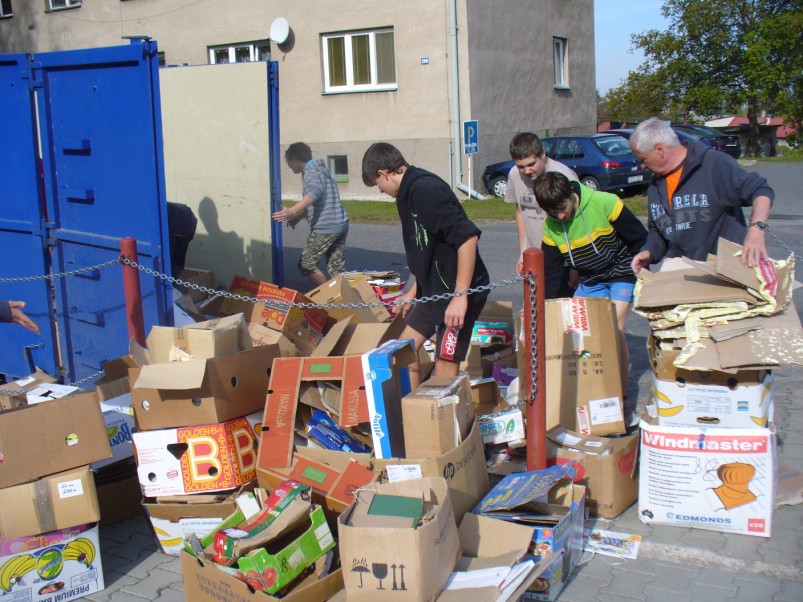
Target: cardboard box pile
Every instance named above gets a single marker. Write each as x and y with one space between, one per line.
198 393
48 524
718 329
386 284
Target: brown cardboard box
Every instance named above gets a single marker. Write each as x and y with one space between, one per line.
420 557
262 335
55 502
174 518
486 397
213 338
13 393
202 391
463 467
344 291
583 378
50 437
606 466
276 310
119 493
437 416
198 277
204 582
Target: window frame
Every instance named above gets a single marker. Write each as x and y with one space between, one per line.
331 161
350 86
5 5
68 4
253 51
560 62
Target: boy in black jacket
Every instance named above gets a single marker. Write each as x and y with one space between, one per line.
441 247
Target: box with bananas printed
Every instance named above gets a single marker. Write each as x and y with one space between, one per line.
61 565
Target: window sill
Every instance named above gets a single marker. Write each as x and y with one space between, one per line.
557 87
358 91
341 179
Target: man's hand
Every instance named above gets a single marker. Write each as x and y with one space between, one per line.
520 267
755 247
285 215
18 316
456 312
574 279
640 261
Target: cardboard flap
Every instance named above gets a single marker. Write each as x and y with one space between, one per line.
138 353
590 444
501 542
172 375
523 488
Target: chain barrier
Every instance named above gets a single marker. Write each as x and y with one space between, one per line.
779 241
62 274
78 383
287 304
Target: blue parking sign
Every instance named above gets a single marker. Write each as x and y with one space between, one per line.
470 137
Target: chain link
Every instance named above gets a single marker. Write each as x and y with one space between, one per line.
286 304
91 268
533 340
779 241
78 383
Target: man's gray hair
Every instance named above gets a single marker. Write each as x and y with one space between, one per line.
653 131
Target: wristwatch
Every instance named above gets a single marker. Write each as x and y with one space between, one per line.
759 225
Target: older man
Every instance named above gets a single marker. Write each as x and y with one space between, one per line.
695 197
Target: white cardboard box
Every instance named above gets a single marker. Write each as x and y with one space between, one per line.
708 478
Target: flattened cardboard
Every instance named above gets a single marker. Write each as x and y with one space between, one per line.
437 416
583 378
428 553
708 478
201 391
605 466
13 395
686 286
197 459
463 467
50 437
49 504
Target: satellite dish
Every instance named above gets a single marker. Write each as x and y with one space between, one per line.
279 30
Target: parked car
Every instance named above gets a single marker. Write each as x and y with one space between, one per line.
601 161
714 138
627 132
495 177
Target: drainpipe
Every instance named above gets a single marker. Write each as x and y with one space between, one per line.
458 164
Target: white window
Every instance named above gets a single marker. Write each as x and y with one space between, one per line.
60 4
560 62
358 61
339 167
246 52
5 9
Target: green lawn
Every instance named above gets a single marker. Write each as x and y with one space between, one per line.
491 210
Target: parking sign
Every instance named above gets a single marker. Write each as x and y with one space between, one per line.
470 137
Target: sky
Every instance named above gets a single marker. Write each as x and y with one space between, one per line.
614 22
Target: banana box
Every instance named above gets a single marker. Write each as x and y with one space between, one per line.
694 398
196 459
60 565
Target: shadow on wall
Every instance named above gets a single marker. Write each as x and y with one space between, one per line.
217 250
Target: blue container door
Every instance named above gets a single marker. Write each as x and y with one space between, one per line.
22 238
100 122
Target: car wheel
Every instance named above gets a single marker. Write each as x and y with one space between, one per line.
498 186
591 182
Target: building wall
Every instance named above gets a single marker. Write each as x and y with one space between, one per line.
505 68
511 71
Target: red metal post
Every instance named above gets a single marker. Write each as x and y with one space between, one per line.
133 292
534 350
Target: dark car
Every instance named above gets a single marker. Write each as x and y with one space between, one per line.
713 138
495 177
601 161
627 132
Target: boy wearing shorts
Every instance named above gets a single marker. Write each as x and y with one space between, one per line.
440 243
595 234
320 204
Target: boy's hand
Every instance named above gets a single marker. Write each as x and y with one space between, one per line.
403 310
456 312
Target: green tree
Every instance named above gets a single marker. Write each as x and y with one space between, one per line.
721 55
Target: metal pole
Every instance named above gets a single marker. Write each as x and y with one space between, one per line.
132 291
533 326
